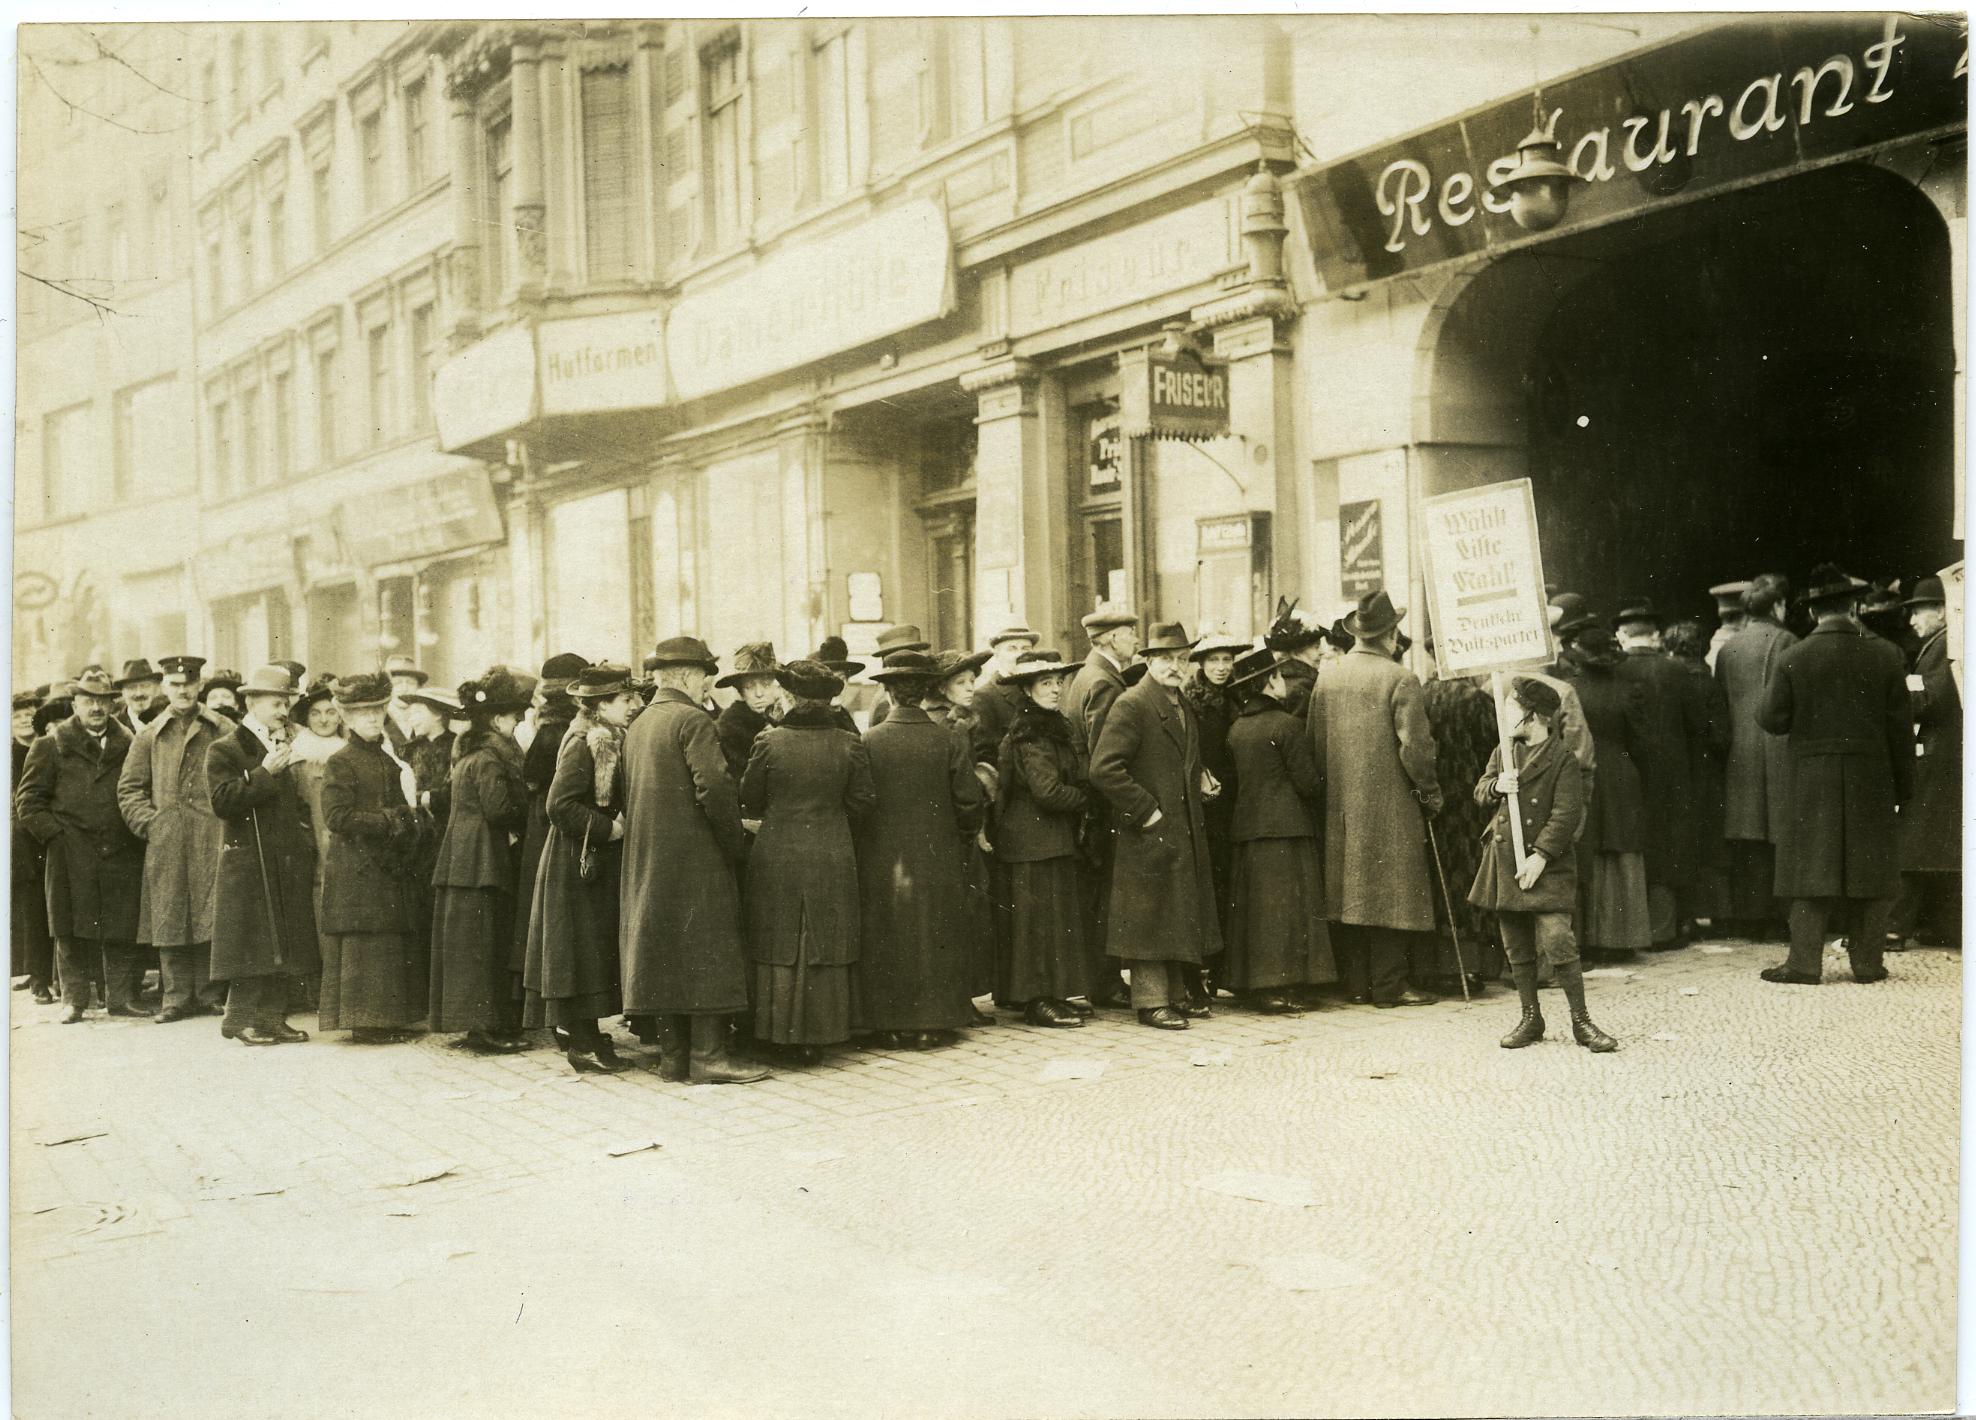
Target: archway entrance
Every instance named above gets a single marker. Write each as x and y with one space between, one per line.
1755 382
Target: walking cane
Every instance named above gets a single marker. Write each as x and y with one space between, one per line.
267 897
1454 933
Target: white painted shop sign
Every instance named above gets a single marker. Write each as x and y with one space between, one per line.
1485 579
837 292
595 363
1168 253
487 389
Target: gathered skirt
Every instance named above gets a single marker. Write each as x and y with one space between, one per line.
1045 915
570 969
1612 903
471 985
371 980
1277 935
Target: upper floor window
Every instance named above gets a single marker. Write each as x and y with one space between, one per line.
243 250
425 362
219 429
119 244
160 234
321 199
236 72
609 240
277 234
417 137
250 435
326 405
209 100
370 147
500 222
147 446
720 102
67 464
281 394
833 114
215 275
378 354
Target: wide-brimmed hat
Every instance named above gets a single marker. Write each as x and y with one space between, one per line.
1292 630
1729 595
754 658
1569 615
903 637
322 690
1534 695
187 666
1105 618
1596 645
906 665
1829 583
682 651
1374 616
953 663
363 692
94 681
1927 592
1256 665
269 680
1638 609
601 681
496 693
810 680
1165 637
1015 633
1034 665
136 671
1217 641
445 702
405 665
26 700
832 652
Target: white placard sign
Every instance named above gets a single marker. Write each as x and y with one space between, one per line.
1485 579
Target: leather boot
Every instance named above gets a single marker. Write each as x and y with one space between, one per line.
1530 1029
675 1034
709 1063
1868 965
1572 979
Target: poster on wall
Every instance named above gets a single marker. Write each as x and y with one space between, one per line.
1485 579
1361 552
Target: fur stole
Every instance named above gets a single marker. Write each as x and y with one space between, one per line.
606 745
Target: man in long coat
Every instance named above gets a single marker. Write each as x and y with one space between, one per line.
1757 777
264 921
1672 728
679 925
1087 701
996 701
162 792
1840 698
67 798
1930 903
1369 734
1147 764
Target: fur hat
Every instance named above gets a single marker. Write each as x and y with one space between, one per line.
755 658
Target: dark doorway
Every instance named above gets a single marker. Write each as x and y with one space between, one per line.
1758 382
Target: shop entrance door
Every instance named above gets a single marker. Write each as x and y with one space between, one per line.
950 576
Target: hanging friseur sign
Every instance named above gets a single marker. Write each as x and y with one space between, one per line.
1180 396
1757 98
1485 579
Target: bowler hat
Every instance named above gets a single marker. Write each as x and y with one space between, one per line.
1534 695
809 680
136 671
187 666
953 663
1216 641
95 681
903 637
1105 618
1166 637
1374 616
269 680
405 665
1830 584
1255 666
682 651
496 693
601 681
444 701
906 665
563 666
1638 609
1034 665
363 692
754 658
1014 633
1927 592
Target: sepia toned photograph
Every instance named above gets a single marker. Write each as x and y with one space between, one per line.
976 715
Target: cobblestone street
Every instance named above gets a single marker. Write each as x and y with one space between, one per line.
1749 1209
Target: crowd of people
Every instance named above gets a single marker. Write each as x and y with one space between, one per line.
745 874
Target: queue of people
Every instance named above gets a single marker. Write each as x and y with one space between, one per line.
1168 826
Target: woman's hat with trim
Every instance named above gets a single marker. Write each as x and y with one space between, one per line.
953 663
1256 666
1034 665
363 692
496 693
907 665
323 689
755 658
444 703
601 681
810 680
1217 642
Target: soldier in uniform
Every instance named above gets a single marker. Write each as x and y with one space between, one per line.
163 794
1114 637
264 921
141 689
94 874
1931 822
1840 700
1729 615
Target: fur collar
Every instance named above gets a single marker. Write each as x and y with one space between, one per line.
312 748
812 718
606 746
1033 722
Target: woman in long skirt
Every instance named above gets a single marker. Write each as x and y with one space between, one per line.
1279 948
318 735
571 974
1613 923
807 783
371 887
1039 874
951 705
913 964
473 901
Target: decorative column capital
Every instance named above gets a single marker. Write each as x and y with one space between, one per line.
1010 373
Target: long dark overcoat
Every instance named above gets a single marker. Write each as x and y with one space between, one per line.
1708 755
162 791
1931 821
809 782
1757 778
371 881
737 727
679 928
1616 713
1276 784
995 708
67 798
1667 781
914 959
1147 758
1840 698
573 937
264 917
538 770
1089 699
1550 792
33 950
488 808
1042 790
1370 737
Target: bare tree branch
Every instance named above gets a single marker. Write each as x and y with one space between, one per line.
75 107
101 309
116 58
